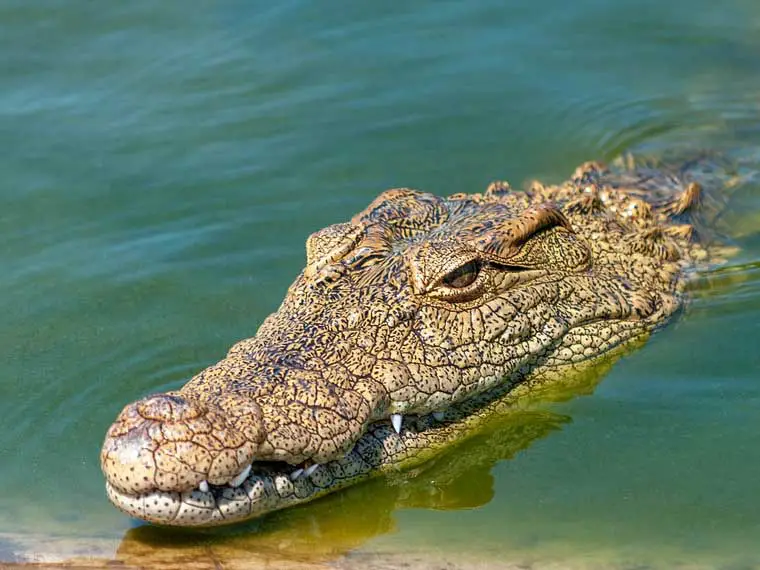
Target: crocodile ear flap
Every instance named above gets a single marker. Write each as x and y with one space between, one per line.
541 237
504 240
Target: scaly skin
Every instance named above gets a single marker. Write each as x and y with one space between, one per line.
417 306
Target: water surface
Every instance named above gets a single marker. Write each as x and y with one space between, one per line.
162 165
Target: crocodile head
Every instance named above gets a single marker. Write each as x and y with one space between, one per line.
404 319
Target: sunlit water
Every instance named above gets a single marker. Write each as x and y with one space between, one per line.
162 164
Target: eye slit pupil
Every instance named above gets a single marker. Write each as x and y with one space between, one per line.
462 276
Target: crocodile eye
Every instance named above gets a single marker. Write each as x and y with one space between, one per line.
462 276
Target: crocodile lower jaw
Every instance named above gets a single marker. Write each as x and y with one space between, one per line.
263 487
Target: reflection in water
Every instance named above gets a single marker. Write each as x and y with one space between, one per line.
329 528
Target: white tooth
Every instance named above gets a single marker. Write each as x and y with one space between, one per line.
396 421
439 416
237 481
310 469
296 474
203 486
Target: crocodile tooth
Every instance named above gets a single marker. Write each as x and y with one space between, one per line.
296 474
310 469
237 481
439 416
396 421
203 486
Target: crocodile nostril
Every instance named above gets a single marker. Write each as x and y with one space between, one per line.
167 408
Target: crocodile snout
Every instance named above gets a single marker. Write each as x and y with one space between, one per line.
168 442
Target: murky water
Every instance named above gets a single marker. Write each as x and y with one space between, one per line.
163 163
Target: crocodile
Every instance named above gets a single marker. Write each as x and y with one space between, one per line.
410 326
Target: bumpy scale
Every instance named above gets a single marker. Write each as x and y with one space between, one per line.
407 323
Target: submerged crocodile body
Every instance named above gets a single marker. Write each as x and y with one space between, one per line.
410 326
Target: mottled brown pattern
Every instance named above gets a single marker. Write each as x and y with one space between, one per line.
417 306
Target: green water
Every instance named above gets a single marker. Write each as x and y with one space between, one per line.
162 164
